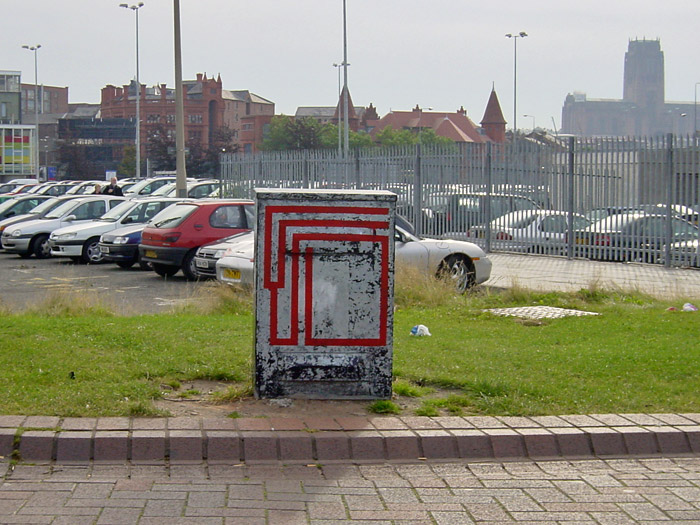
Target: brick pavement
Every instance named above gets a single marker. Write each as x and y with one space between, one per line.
597 491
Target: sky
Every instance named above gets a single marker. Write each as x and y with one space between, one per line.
440 54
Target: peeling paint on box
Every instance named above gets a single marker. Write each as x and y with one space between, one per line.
324 294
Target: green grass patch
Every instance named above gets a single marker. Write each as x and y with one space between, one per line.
634 357
384 406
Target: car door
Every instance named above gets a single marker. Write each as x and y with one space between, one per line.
408 251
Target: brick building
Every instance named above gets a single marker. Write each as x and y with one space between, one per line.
207 107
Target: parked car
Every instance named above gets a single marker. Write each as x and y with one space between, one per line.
463 262
207 255
86 187
121 246
684 253
15 185
80 242
457 212
195 190
32 237
638 237
171 242
20 205
148 186
531 231
35 213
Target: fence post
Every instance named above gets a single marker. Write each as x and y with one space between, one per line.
487 211
669 197
417 194
570 200
358 179
305 172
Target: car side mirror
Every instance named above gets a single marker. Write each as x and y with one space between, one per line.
127 220
70 218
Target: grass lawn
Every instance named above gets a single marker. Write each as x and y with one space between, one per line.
635 357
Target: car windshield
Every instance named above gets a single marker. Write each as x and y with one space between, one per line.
8 205
46 205
61 210
163 190
172 216
118 211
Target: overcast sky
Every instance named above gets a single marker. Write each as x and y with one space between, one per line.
438 53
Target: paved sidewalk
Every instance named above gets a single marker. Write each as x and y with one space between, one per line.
615 491
560 274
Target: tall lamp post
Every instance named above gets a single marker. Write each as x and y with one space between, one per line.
695 111
135 8
515 37
340 92
180 166
345 65
533 120
35 159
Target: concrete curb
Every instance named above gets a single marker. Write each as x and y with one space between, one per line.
352 439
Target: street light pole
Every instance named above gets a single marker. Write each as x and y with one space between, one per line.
695 111
515 37
345 84
35 158
533 120
180 167
135 8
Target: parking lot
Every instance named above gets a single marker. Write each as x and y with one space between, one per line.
26 282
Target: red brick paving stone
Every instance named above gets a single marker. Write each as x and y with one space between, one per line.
438 444
118 516
673 419
612 420
111 445
41 422
218 423
7 439
36 445
147 445
401 444
259 446
473 444
223 446
11 421
518 422
642 419
183 423
73 446
254 424
638 441
572 442
506 443
296 446
79 423
671 440
113 423
485 422
551 421
286 423
148 423
582 421
539 442
186 445
693 435
388 423
366 445
332 445
606 441
420 423
451 422
354 423
321 423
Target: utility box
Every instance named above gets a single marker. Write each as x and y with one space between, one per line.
324 294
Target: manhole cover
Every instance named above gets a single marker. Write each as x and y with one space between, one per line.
539 312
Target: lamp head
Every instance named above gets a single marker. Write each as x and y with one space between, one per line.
522 33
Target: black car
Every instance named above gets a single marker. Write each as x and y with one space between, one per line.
639 237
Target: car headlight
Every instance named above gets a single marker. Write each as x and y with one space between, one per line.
218 254
16 233
121 240
63 236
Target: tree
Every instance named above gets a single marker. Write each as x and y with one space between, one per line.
127 167
289 133
391 137
161 148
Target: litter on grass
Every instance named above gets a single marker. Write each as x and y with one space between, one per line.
539 312
420 329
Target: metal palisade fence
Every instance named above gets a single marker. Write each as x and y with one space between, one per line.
622 199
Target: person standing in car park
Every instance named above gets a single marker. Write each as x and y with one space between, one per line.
112 188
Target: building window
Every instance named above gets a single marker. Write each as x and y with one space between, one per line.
170 119
195 119
152 119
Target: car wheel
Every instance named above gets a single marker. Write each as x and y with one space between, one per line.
165 270
188 266
91 251
459 270
40 247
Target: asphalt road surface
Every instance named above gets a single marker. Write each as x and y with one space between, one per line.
25 283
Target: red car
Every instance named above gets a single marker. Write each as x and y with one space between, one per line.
170 241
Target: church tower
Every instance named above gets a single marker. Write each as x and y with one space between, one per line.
644 74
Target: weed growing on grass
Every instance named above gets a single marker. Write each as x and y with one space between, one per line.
401 387
418 289
71 304
453 404
217 298
384 407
